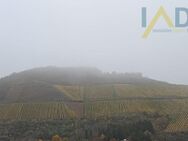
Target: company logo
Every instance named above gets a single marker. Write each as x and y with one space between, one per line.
179 24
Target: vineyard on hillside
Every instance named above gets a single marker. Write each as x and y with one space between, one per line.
35 111
74 93
125 99
179 124
175 109
107 101
119 107
127 90
111 91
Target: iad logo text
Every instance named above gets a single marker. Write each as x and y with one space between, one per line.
179 24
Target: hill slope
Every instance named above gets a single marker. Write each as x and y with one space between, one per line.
54 84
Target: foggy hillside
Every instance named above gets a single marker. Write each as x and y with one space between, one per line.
76 76
38 84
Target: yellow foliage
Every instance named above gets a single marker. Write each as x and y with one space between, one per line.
56 138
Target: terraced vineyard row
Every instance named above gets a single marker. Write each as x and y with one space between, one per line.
110 108
36 111
116 108
72 92
123 90
77 93
108 91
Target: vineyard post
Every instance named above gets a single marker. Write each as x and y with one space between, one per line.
84 105
82 91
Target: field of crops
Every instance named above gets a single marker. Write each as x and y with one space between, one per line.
36 111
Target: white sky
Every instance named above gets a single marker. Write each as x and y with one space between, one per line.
100 33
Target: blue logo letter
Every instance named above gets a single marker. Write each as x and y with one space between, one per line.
178 11
144 14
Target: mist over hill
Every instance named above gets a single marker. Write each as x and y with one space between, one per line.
38 84
77 76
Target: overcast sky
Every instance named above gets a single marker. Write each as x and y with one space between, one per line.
99 33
